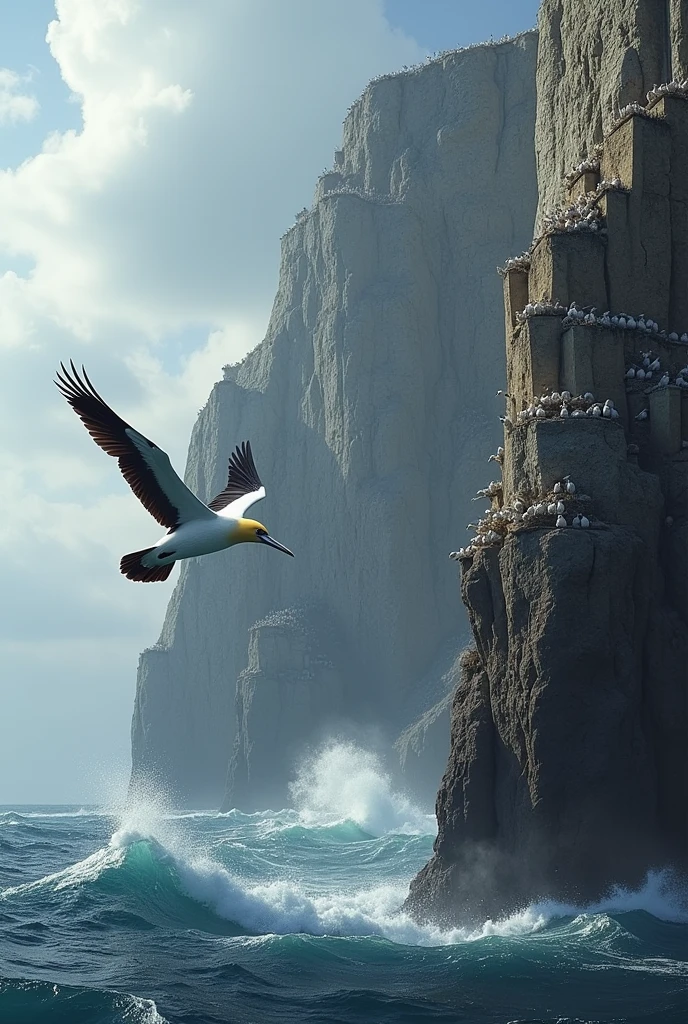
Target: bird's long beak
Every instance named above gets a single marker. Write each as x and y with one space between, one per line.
266 539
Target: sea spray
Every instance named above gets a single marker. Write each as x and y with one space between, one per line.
262 917
343 782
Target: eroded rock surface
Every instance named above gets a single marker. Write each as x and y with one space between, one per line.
594 59
568 769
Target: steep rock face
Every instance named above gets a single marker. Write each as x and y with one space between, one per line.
290 687
593 60
568 770
556 772
369 406
421 747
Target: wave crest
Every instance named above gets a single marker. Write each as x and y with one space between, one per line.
343 782
24 999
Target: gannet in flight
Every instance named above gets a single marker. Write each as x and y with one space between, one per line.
193 528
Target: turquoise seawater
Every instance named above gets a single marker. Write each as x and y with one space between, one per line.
149 915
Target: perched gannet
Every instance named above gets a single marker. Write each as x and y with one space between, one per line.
193 528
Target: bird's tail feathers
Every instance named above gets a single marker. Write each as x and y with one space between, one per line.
133 568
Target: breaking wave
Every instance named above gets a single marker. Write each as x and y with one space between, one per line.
163 883
343 782
296 914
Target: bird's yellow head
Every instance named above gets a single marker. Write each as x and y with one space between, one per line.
248 531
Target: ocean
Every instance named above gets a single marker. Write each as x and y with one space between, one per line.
148 915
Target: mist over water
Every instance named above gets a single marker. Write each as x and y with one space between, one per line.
150 914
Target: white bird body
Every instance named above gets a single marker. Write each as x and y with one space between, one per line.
194 528
201 536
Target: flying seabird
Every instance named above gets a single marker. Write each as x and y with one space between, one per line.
193 528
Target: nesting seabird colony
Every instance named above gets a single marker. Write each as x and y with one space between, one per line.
547 511
581 214
562 405
588 317
590 165
673 88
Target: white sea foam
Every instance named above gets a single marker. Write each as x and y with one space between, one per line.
283 908
286 906
87 870
343 782
661 895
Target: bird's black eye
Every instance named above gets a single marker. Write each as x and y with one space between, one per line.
261 533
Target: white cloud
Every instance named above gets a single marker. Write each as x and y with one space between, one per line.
151 235
15 105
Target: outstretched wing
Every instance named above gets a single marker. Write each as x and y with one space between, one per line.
243 484
145 467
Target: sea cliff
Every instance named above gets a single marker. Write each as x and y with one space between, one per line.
371 409
568 770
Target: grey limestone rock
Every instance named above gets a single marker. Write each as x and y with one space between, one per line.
370 405
595 58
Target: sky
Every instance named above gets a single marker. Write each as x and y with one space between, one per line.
152 152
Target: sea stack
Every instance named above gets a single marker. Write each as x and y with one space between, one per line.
568 770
